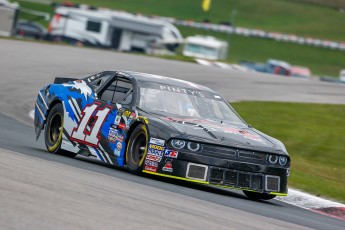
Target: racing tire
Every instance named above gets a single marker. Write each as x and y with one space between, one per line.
258 196
53 132
137 149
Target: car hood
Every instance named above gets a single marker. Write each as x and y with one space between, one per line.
224 133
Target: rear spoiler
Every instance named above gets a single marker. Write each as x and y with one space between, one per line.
60 80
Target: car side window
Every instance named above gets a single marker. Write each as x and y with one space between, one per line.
120 91
108 93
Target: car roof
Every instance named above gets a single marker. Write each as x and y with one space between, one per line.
145 77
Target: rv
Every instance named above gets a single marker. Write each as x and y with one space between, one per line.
113 29
206 47
8 18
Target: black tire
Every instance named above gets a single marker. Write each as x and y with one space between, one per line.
53 131
137 149
258 196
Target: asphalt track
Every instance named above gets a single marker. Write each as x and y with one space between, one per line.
40 190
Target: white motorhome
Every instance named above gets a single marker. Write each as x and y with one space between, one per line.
8 17
114 29
205 47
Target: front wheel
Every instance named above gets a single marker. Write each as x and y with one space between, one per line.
137 149
53 131
258 196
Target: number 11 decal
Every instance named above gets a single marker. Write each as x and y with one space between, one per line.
86 134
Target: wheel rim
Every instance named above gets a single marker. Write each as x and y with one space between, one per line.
138 148
55 128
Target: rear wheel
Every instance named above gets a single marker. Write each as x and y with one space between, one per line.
258 196
53 131
137 149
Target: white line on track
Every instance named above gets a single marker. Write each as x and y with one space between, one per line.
32 114
308 201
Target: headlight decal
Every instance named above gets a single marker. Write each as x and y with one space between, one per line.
192 146
178 144
277 160
282 160
187 145
272 159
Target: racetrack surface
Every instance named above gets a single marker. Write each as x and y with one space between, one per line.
27 66
39 190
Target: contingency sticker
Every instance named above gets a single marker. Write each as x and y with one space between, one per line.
157 141
168 167
171 153
153 158
156 150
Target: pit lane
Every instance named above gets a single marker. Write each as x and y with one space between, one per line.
40 189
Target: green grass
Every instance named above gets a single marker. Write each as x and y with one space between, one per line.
38 7
315 139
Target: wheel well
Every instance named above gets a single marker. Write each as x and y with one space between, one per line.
130 131
55 102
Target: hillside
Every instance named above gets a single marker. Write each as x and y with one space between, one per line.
286 16
298 17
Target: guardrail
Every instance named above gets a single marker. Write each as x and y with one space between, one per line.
258 33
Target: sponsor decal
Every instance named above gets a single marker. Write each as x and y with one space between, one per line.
127 113
112 135
119 145
133 115
182 90
155 152
129 121
111 139
150 168
124 74
117 151
121 126
168 166
151 163
117 120
171 153
157 141
154 158
156 147
210 126
119 138
112 132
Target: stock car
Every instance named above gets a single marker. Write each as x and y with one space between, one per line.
162 126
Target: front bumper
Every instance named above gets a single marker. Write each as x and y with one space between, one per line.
222 172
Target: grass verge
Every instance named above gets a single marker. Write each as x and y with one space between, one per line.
314 137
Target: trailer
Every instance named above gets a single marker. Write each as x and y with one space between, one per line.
8 18
206 47
113 29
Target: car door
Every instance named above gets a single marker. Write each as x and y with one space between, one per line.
116 101
103 121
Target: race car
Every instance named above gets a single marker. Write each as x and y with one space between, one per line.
162 126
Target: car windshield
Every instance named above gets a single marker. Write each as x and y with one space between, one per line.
174 101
